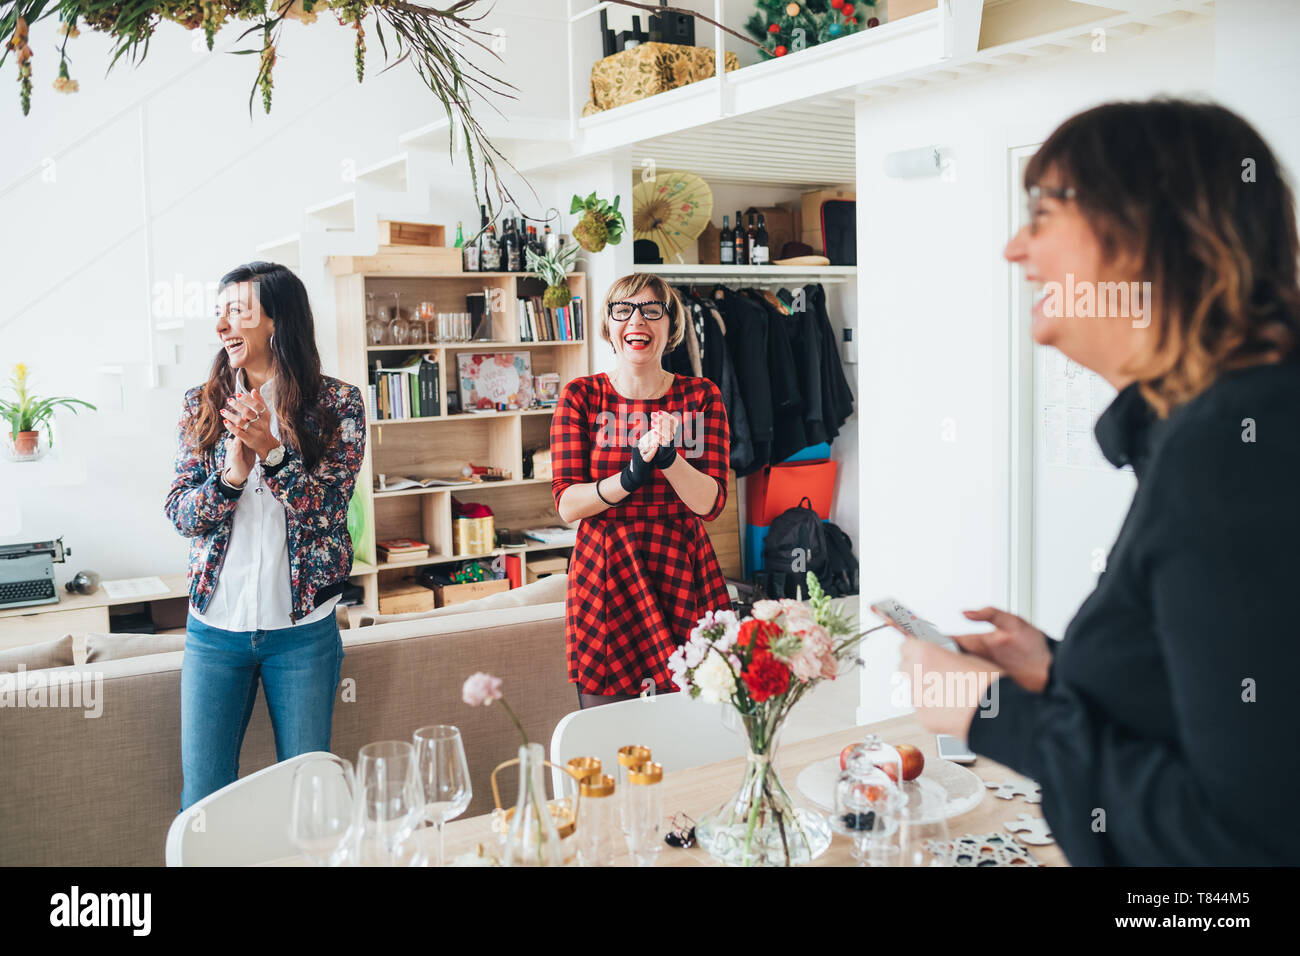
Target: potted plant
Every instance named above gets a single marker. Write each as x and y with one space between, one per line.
601 222
29 413
552 268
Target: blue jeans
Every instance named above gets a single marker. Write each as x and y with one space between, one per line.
299 668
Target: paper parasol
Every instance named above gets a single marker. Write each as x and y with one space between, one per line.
671 210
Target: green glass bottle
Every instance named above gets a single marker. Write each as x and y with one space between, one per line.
460 235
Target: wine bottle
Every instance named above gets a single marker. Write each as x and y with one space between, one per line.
761 257
491 261
726 243
742 251
750 235
482 239
534 243
510 246
460 234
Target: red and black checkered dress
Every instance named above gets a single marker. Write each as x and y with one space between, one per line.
644 571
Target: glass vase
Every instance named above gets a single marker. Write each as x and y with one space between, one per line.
532 838
760 825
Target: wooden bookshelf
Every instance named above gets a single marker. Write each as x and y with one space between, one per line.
441 444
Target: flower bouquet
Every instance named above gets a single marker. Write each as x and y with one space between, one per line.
762 666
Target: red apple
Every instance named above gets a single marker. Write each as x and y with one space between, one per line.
912 759
844 756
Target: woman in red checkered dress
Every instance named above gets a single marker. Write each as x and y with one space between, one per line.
640 456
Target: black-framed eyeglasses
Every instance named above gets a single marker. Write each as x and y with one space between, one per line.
650 311
1036 195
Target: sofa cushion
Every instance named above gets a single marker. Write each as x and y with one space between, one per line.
115 647
546 590
34 657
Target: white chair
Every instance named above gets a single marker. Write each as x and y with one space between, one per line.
243 823
679 731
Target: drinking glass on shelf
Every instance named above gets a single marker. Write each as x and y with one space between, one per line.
322 809
392 803
374 327
444 776
426 318
384 322
643 813
466 322
443 333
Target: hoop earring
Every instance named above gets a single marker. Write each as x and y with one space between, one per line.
271 343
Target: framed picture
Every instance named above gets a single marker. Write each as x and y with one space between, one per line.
490 379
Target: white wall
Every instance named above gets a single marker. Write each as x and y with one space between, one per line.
86 227
935 408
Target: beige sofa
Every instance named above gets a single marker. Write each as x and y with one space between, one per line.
102 790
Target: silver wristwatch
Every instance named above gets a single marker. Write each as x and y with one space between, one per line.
274 456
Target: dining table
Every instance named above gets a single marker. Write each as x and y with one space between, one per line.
695 791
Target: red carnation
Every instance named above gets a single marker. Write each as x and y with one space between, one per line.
759 633
766 677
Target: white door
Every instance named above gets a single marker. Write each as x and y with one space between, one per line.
1068 502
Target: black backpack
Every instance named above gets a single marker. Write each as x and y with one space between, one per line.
799 537
795 544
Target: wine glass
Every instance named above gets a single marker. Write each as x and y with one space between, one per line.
426 316
392 802
374 325
322 812
444 776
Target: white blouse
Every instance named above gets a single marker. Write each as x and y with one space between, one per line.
253 591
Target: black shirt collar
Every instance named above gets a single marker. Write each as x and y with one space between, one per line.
1124 430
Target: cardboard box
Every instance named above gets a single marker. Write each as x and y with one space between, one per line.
811 215
405 599
460 593
542 567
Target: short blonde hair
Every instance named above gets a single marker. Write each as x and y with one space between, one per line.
633 284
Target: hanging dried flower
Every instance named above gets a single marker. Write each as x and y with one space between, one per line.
24 54
264 77
64 83
68 28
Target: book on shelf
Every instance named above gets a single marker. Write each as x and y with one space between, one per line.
404 483
412 390
555 536
401 548
537 323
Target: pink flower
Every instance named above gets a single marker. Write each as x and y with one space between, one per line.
765 610
481 689
816 656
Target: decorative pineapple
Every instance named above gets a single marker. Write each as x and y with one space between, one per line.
551 269
601 223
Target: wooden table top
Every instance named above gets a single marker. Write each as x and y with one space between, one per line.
700 789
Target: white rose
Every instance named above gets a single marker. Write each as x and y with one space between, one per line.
765 610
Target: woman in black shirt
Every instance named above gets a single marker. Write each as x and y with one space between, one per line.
1162 728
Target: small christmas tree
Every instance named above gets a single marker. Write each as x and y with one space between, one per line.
787 26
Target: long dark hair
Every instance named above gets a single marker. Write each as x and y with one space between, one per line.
1192 195
305 424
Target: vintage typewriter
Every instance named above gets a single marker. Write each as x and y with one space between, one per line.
27 572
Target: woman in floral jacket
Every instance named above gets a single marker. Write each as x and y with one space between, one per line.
268 454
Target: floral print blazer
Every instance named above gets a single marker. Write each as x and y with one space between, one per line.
315 503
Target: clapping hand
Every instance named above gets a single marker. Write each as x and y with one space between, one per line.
248 419
656 445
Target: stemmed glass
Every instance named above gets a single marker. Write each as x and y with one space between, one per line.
392 802
444 776
322 813
426 316
374 325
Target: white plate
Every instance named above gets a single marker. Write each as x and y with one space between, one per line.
943 790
